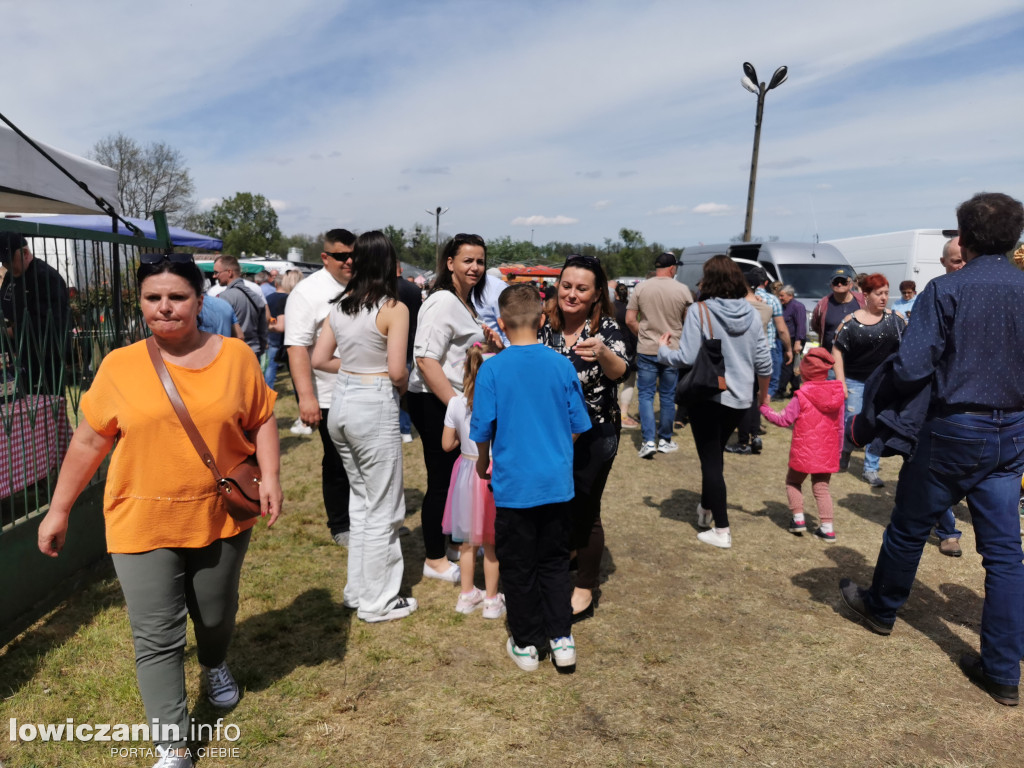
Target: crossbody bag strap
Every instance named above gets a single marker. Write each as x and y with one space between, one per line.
179 408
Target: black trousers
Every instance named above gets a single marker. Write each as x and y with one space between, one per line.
533 548
593 455
750 422
711 425
427 414
334 481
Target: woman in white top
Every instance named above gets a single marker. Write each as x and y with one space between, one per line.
446 328
369 328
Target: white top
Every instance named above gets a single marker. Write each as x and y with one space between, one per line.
445 329
361 346
457 417
307 306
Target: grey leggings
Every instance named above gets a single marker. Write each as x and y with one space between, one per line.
162 588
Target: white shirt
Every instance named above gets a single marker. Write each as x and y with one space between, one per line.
307 306
445 329
457 417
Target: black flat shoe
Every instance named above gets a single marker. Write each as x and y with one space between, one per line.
586 613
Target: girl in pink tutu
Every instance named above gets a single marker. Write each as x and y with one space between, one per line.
469 511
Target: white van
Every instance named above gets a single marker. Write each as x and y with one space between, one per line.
808 267
912 254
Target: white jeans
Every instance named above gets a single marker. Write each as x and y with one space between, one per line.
363 423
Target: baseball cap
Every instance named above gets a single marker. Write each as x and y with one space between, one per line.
9 243
666 259
846 272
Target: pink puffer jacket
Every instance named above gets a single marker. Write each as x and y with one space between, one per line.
816 413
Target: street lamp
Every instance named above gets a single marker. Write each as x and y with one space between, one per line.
749 82
438 212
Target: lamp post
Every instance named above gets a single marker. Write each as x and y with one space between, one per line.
749 82
438 212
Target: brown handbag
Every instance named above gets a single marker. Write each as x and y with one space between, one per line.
239 488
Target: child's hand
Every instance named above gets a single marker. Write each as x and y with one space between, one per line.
492 339
665 339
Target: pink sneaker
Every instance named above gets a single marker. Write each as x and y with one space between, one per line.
494 607
469 601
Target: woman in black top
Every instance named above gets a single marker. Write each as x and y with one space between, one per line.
581 326
863 340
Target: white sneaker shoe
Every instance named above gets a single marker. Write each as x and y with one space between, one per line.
169 758
406 438
221 688
494 607
525 658
646 450
704 517
563 651
469 601
716 537
398 608
298 428
450 575
667 446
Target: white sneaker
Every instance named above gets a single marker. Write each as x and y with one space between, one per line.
298 428
398 608
406 438
646 450
525 658
667 446
169 758
494 607
716 537
221 688
704 517
469 601
563 651
450 575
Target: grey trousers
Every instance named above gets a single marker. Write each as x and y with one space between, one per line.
162 588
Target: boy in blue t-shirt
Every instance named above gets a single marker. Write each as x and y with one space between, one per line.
528 402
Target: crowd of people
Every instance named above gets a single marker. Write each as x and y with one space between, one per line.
516 401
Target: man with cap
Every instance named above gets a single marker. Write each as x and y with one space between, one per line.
656 306
962 350
830 311
36 309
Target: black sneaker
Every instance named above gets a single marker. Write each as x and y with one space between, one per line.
853 596
741 448
1004 694
755 445
844 461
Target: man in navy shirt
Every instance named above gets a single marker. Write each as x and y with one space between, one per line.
965 344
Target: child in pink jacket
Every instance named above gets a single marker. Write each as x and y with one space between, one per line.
816 413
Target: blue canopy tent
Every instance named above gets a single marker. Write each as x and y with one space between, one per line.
180 237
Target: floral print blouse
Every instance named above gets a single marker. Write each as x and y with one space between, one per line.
600 392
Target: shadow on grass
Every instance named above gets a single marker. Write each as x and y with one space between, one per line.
681 506
310 631
926 610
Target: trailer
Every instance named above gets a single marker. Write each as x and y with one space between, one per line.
912 254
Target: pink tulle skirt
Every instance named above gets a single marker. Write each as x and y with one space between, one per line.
469 511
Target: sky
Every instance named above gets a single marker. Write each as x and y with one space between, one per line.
551 120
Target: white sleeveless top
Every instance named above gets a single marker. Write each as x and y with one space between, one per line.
361 346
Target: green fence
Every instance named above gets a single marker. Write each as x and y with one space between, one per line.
64 309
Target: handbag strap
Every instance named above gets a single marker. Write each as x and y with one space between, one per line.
705 313
179 408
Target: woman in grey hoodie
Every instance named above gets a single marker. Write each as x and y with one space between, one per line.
746 354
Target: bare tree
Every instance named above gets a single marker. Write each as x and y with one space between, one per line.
151 178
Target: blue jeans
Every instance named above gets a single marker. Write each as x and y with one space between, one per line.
650 374
777 357
980 457
854 403
946 527
270 374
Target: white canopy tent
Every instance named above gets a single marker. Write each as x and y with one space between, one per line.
29 183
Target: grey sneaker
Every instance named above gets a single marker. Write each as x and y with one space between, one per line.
853 596
221 688
398 608
872 479
341 539
169 758
667 446
647 450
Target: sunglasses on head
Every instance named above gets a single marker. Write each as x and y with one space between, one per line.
174 258
591 262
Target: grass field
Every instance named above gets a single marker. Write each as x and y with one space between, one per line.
696 656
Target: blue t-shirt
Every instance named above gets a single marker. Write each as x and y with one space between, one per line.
528 402
217 316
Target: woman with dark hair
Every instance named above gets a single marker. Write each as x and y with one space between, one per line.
176 550
737 324
863 340
369 328
446 328
628 385
581 326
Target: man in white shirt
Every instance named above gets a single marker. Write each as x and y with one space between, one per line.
308 305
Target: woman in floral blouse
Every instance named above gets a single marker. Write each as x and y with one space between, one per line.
581 325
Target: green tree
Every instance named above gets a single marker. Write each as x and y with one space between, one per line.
247 224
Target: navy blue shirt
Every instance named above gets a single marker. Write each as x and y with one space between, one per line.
968 332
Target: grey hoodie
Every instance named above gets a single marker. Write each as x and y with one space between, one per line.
744 347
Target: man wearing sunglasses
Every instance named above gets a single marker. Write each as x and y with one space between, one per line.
36 307
831 310
308 305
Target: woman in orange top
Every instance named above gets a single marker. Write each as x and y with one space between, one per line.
176 550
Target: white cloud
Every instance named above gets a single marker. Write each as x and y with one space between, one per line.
543 221
713 209
600 205
279 206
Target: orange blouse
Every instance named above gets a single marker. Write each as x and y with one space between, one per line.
159 493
